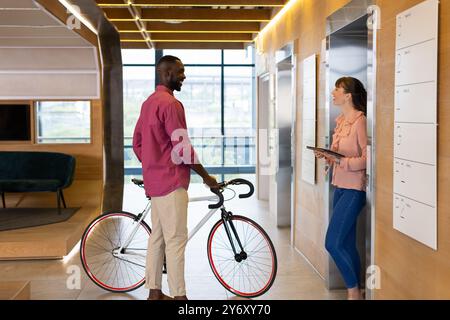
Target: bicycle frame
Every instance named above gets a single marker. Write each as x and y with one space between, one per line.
120 252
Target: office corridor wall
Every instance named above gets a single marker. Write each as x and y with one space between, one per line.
409 269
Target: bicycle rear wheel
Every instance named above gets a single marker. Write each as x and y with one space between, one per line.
107 267
253 275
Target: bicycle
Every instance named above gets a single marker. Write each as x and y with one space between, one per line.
240 253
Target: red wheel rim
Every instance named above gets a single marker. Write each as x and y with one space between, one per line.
221 280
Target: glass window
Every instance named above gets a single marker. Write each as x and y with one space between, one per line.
239 150
197 56
238 99
138 85
138 56
63 121
239 141
201 96
238 56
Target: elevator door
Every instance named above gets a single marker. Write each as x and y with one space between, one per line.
263 137
280 184
347 56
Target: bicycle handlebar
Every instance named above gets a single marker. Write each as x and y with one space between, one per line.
247 183
224 184
217 192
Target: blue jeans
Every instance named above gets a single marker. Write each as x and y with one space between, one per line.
340 240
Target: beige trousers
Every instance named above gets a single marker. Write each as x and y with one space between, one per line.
169 236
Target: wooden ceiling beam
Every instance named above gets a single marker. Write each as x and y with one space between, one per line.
136 13
191 37
126 25
183 45
193 3
200 45
134 45
256 15
119 13
191 27
158 14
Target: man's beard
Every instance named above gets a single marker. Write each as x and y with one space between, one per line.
175 85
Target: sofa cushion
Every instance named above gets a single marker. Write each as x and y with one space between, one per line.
20 185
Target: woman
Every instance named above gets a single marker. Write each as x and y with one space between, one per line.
349 174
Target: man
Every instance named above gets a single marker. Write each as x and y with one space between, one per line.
166 164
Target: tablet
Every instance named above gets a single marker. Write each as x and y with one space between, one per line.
330 152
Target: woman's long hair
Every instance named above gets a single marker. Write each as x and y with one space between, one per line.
356 89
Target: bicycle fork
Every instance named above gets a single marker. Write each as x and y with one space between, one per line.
231 231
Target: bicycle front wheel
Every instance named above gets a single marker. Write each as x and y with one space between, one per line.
252 275
107 266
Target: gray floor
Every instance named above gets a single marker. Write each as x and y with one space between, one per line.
54 279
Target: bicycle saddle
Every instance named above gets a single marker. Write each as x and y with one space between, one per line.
138 182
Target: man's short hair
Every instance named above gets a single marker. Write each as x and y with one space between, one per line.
167 59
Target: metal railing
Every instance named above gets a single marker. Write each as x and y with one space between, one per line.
219 154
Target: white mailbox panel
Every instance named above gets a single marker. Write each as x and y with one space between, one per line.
416 220
415 142
416 64
309 119
309 87
418 24
309 134
308 166
415 122
415 103
416 181
309 112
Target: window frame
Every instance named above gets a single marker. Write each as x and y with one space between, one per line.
213 169
36 124
160 53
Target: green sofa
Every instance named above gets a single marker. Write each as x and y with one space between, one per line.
36 172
